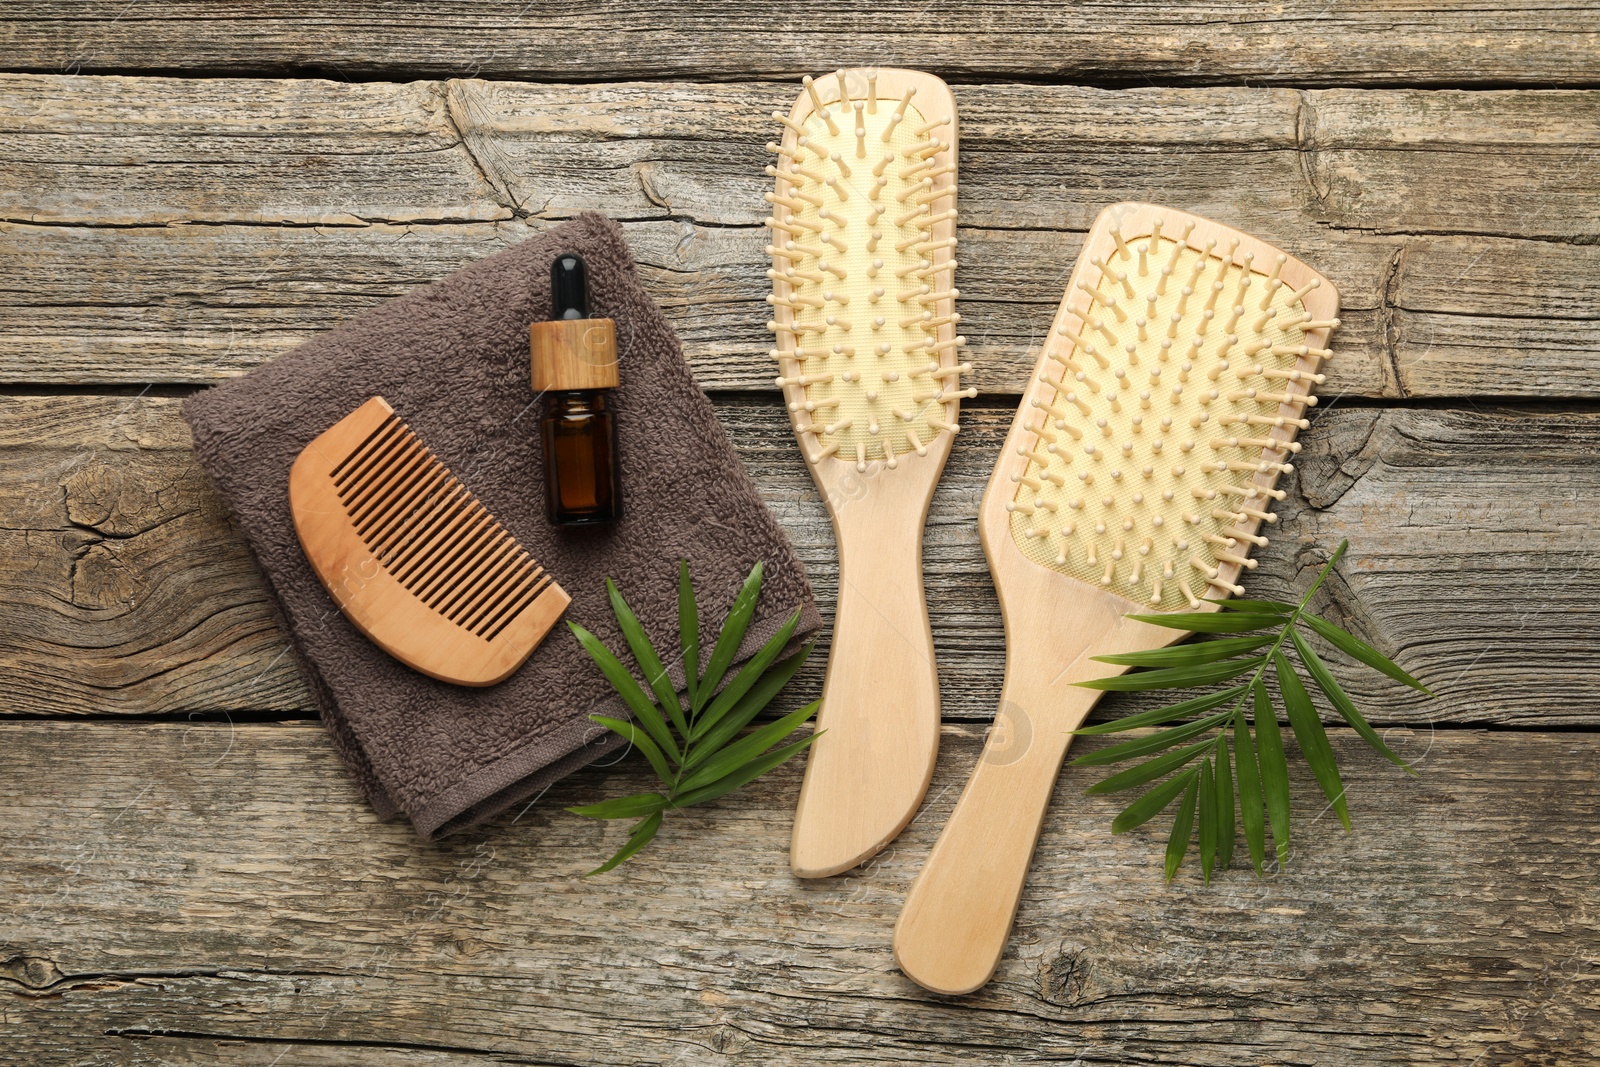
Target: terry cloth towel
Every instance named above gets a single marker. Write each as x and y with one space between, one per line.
452 358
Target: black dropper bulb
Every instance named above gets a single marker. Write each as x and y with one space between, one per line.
569 287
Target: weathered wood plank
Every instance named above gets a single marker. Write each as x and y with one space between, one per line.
317 200
127 592
1301 42
195 303
220 894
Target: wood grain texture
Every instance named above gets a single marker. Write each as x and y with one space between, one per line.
1300 42
220 894
205 893
192 228
1472 563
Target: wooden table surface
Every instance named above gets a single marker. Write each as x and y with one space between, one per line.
188 876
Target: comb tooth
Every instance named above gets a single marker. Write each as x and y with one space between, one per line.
384 491
413 557
517 596
355 457
489 582
494 589
359 478
428 521
898 116
459 516
380 464
351 468
490 592
410 503
476 533
1122 246
481 569
428 573
1273 283
492 627
791 123
1300 294
397 507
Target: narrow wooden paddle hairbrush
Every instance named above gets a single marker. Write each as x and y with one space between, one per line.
863 240
1136 476
412 558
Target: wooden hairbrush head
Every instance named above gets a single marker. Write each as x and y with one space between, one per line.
1139 469
863 240
412 558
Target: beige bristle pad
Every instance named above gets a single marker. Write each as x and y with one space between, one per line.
1163 409
863 243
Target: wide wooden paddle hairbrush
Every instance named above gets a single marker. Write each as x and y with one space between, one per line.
1136 476
412 558
863 239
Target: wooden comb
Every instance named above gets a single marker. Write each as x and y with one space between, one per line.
863 243
1135 478
410 555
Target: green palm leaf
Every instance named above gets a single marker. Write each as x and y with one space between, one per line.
1157 716
1186 655
1255 607
641 741
1182 828
1274 771
1175 677
731 636
644 654
1143 746
1208 821
641 836
748 748
689 634
1224 805
1152 803
1355 648
643 708
1313 738
746 678
748 707
623 807
1212 622
1252 813
748 773
697 755
1149 770
1342 703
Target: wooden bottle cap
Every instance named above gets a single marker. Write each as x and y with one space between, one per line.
573 354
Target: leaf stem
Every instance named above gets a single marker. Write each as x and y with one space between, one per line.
1288 625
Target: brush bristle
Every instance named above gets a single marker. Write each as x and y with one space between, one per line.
863 268
1167 403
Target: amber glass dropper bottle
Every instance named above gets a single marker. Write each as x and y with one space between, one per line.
574 362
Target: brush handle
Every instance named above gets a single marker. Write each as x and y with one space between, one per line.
866 775
958 914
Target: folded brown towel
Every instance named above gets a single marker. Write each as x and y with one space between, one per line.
452 357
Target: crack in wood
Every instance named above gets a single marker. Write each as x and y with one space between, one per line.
463 112
1389 335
